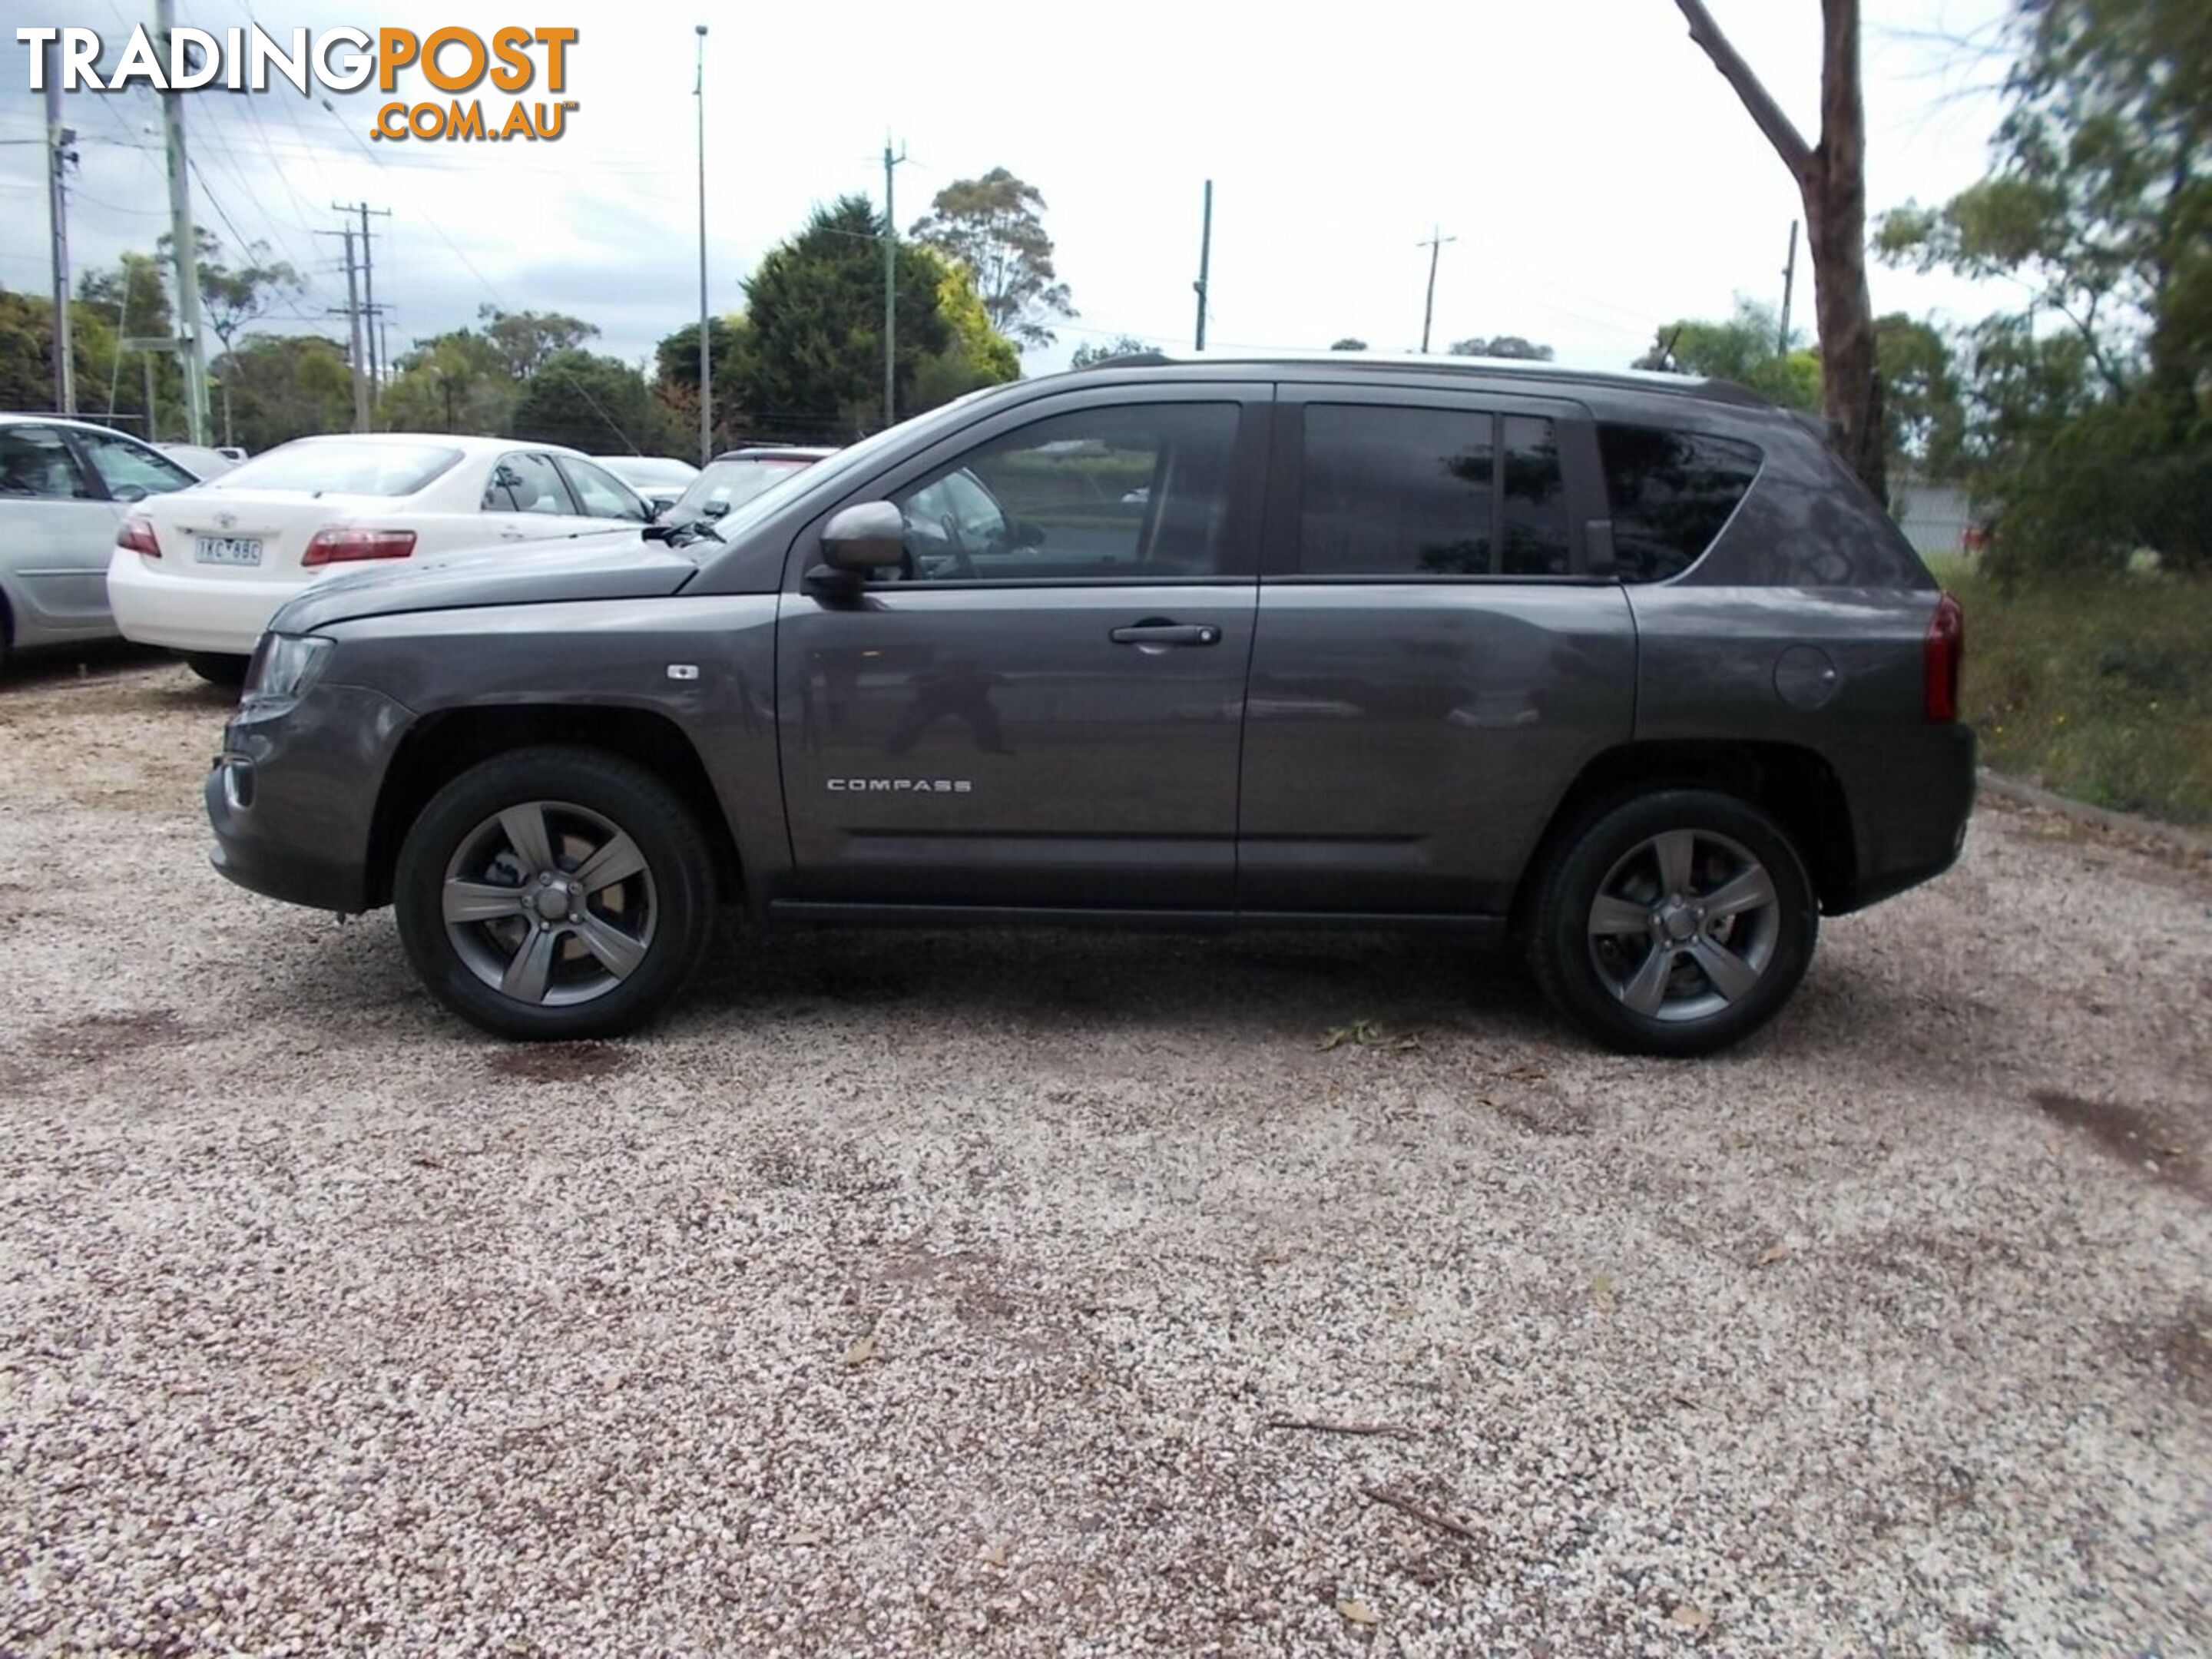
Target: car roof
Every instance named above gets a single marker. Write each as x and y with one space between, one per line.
468 443
21 418
1334 365
769 451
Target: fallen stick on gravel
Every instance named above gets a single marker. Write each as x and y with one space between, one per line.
1322 1426
1420 1512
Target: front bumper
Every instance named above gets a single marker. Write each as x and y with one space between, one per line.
292 798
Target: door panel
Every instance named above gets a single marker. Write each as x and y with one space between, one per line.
1429 672
1040 703
57 552
997 746
1405 745
56 537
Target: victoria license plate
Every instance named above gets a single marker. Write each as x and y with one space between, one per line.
228 549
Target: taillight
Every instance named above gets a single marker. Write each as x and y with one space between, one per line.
137 535
343 546
1942 655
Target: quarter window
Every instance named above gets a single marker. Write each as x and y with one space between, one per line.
526 483
35 465
1135 491
1670 492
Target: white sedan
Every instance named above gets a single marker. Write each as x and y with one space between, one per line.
203 572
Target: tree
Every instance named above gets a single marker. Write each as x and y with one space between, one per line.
279 387
1349 343
131 301
1739 348
455 382
525 339
234 296
978 356
1831 179
1504 345
1923 415
992 226
27 363
2089 409
813 358
231 298
598 405
1121 345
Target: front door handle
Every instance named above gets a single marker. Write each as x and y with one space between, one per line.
1167 633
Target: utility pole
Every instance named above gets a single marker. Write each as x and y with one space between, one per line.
354 322
58 157
1789 287
1205 262
186 246
1435 246
890 288
705 357
368 310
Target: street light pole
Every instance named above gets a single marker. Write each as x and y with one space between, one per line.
705 361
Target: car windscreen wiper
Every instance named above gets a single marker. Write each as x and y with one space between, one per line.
676 534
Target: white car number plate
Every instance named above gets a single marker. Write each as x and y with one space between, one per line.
228 549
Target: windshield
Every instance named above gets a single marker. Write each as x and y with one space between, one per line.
851 459
725 486
342 466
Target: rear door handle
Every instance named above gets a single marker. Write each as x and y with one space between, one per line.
1164 633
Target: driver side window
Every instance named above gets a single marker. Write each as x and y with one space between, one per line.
1139 491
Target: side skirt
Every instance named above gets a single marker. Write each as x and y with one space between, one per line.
1481 930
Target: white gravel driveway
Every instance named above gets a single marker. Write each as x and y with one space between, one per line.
943 1293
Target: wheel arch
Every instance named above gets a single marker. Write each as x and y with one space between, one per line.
443 744
1793 785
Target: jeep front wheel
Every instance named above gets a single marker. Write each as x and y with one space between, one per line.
555 893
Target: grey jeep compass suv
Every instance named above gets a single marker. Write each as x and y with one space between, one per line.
1627 670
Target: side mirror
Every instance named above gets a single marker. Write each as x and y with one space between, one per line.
1027 534
714 509
128 493
865 537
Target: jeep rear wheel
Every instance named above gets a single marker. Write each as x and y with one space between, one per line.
1675 923
555 893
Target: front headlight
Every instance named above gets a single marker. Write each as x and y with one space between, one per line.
285 664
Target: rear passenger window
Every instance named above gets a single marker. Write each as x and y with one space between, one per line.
1430 492
1670 493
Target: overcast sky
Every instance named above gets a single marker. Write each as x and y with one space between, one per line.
1599 178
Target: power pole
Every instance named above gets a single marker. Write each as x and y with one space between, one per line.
58 157
187 248
368 309
354 322
1789 287
1205 262
706 357
890 288
1435 246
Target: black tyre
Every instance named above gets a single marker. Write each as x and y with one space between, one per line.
218 670
1674 923
555 893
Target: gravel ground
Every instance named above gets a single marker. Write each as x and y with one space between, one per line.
949 1293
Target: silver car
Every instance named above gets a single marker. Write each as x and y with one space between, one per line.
64 486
